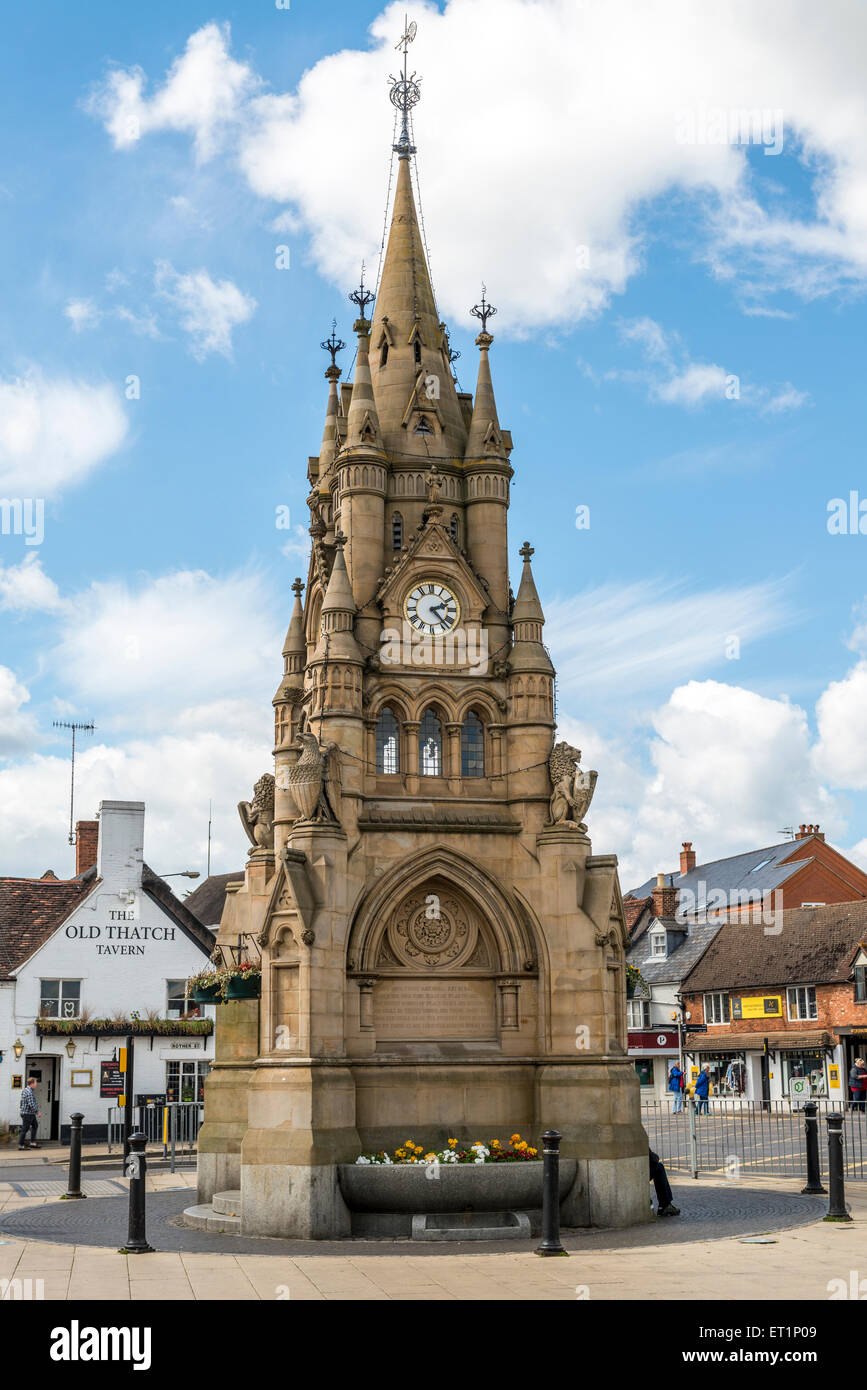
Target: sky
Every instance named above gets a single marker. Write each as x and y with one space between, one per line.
667 202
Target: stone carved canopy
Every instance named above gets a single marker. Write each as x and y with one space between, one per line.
480 925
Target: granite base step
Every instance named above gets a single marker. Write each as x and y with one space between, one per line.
475 1225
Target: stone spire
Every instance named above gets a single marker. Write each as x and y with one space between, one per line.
330 432
337 641
410 369
484 439
295 646
362 424
528 653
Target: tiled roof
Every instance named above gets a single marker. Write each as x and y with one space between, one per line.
30 911
206 901
815 946
633 908
158 889
678 963
759 871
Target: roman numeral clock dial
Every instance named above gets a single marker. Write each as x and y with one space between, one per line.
432 609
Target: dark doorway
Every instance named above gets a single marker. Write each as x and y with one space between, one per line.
47 1073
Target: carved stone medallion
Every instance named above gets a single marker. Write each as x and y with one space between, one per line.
430 929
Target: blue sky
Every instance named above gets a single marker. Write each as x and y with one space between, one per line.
679 347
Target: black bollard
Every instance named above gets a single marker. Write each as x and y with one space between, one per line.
811 1130
135 1168
837 1200
551 1195
73 1185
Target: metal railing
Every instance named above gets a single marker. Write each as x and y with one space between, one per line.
175 1126
733 1139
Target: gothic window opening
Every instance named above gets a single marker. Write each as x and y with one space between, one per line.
453 529
424 426
383 353
472 746
387 742
416 347
430 746
396 531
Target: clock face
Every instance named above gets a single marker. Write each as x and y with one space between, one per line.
431 608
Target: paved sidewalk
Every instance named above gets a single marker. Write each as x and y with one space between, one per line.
798 1265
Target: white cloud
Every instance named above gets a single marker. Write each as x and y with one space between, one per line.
53 433
298 546
174 641
584 112
203 95
17 729
699 382
786 398
26 588
616 642
82 314
209 310
841 716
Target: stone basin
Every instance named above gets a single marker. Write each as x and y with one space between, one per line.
449 1187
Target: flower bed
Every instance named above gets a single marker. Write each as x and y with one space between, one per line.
482 1177
456 1151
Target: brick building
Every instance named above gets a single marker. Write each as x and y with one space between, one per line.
781 1004
674 918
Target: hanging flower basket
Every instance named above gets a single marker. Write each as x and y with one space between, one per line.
245 982
210 993
634 979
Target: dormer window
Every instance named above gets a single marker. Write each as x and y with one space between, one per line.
416 347
658 945
424 425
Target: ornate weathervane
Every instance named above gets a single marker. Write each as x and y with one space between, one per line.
362 297
405 91
483 311
333 344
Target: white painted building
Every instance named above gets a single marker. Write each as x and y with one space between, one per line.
110 943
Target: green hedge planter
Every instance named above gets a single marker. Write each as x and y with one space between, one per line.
207 994
240 988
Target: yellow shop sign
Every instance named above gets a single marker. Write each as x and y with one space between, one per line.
758 1006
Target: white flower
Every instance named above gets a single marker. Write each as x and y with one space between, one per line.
362 1159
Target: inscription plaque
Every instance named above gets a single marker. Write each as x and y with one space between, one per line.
434 1010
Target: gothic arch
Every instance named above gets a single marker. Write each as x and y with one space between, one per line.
505 924
438 698
395 698
477 698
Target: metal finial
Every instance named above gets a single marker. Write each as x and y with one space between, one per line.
405 91
483 311
333 344
361 296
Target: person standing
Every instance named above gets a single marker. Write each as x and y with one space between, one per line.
702 1090
675 1085
30 1114
857 1084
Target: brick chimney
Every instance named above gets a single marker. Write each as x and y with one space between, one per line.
86 841
805 831
687 857
665 898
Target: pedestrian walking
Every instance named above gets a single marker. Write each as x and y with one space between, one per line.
658 1176
857 1084
30 1114
675 1085
702 1091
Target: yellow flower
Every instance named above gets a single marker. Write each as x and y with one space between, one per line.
514 1138
400 1153
413 1159
533 1152
429 1157
522 1146
453 1143
495 1143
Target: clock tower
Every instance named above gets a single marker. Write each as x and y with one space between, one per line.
442 953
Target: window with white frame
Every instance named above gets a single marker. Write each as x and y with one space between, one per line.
59 998
658 943
638 1013
176 1004
716 1008
802 1003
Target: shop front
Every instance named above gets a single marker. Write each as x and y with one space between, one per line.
653 1051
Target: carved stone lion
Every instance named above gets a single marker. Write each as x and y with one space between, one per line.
572 790
257 816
